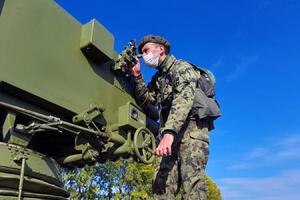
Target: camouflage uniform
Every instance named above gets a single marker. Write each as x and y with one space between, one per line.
173 90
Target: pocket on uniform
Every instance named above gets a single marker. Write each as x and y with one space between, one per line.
196 135
200 134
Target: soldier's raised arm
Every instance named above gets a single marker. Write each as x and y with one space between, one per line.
145 95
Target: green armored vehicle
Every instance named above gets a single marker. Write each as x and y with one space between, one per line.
66 100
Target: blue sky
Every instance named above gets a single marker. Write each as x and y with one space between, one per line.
253 48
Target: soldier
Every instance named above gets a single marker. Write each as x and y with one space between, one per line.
183 150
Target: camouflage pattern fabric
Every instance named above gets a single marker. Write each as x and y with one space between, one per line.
173 91
185 167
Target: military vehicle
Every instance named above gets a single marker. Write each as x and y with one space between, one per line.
66 100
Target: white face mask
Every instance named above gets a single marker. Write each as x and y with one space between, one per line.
150 60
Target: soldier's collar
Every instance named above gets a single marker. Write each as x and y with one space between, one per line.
167 63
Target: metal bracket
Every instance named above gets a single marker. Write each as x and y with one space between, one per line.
88 115
35 128
21 135
8 124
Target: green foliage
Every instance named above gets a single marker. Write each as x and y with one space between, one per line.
119 180
79 182
122 179
139 178
213 192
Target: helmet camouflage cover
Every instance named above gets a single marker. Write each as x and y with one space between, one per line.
154 39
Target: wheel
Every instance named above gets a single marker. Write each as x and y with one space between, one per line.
144 145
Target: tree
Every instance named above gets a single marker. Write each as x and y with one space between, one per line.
119 180
139 178
122 179
79 183
213 192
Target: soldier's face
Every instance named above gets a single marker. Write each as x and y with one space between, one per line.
152 47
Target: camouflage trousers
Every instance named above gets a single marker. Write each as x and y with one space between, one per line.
185 167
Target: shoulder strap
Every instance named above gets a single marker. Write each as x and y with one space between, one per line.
171 71
206 71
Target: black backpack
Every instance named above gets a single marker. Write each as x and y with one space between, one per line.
205 105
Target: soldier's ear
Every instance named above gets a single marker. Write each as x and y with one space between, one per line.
162 49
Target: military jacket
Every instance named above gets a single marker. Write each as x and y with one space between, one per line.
173 93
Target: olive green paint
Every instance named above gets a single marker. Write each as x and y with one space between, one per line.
53 69
40 53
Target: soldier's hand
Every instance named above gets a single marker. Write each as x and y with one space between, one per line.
136 69
165 146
